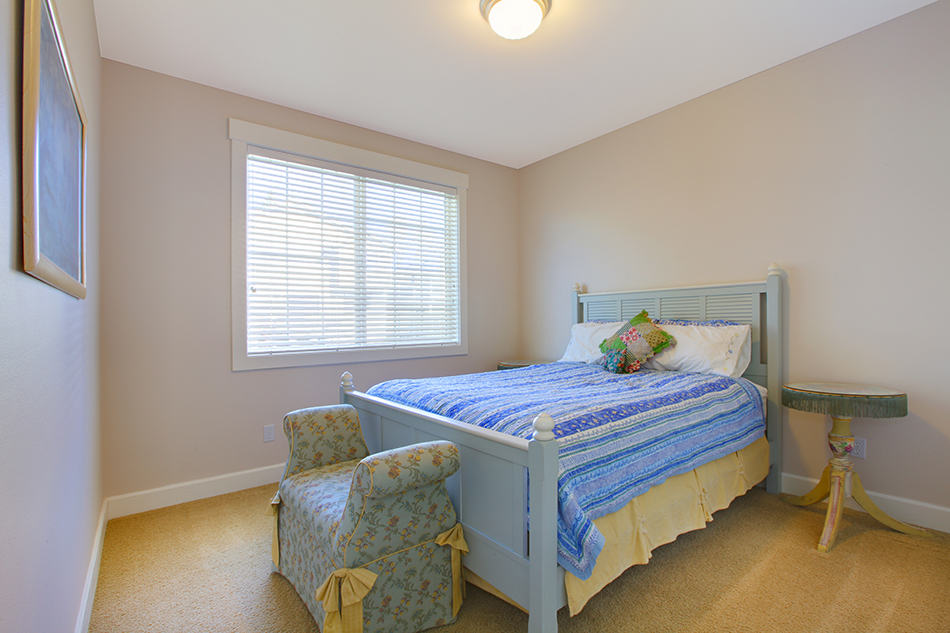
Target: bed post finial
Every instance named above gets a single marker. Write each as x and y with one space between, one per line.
775 269
543 427
346 381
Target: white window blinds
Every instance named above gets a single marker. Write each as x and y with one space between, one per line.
342 258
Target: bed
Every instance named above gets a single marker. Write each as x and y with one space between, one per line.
514 551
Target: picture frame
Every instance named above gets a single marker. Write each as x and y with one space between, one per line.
54 156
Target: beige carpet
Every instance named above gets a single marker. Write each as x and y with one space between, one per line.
205 566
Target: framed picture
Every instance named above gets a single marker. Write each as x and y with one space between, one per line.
54 156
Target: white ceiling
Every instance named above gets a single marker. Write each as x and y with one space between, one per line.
432 71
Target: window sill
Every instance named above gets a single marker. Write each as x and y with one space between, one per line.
245 362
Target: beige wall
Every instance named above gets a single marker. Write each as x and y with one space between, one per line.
834 165
49 431
173 410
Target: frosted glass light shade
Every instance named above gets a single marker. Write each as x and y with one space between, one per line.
514 19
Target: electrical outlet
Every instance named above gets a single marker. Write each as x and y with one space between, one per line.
860 450
268 432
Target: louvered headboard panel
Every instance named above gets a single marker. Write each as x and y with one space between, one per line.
742 303
756 303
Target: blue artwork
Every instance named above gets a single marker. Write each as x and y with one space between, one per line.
59 158
54 155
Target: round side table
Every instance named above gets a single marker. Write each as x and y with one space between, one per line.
843 402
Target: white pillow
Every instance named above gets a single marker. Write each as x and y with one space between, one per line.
708 349
584 346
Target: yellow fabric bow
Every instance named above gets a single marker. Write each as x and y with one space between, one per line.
455 539
275 542
342 597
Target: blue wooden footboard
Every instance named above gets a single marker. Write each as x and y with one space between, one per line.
489 493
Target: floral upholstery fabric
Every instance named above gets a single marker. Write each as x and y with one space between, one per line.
397 499
413 591
323 435
305 559
393 471
382 513
321 494
398 521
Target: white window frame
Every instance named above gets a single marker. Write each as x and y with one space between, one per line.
242 134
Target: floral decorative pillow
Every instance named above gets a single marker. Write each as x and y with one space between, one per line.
638 340
615 361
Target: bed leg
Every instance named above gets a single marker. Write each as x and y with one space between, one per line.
542 574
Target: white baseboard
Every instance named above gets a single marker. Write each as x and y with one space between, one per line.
910 511
134 502
92 574
145 500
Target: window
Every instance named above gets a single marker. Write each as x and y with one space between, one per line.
341 254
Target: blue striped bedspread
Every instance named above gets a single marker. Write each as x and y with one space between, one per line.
617 434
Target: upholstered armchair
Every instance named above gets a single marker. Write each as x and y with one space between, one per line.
370 542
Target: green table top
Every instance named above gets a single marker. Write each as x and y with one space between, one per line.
845 399
844 389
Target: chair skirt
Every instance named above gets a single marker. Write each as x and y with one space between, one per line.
413 588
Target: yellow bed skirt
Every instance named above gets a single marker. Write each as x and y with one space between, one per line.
680 504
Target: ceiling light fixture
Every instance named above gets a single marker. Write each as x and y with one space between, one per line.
515 19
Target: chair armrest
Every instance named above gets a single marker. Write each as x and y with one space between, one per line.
320 436
404 468
397 499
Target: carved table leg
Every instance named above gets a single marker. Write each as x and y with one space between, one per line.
841 443
835 506
817 493
834 485
861 496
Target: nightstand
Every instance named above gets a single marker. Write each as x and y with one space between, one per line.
514 364
843 402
